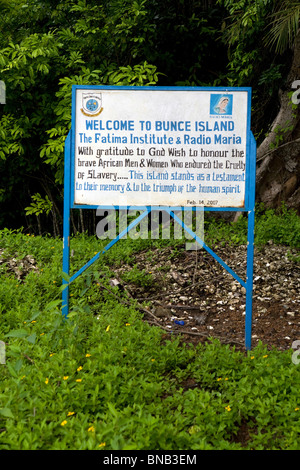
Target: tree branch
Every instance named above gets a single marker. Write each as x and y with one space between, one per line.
277 148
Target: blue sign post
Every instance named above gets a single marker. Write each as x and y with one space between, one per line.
170 148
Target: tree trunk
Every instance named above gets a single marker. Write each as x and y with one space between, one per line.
278 156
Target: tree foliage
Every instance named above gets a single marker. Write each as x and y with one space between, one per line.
46 46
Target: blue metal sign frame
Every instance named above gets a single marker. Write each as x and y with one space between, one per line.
249 205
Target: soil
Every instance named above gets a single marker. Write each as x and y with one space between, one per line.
191 287
187 292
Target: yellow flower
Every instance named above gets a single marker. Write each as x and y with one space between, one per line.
78 380
91 429
63 423
71 413
46 381
88 355
127 324
152 360
33 321
297 409
103 444
265 356
220 378
66 377
226 378
252 357
51 354
79 368
227 408
107 329
42 334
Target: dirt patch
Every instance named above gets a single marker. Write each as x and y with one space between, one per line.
190 293
193 294
243 434
18 267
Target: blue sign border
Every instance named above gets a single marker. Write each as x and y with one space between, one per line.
136 90
249 203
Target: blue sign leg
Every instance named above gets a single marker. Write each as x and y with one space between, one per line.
250 238
66 264
249 280
110 244
66 228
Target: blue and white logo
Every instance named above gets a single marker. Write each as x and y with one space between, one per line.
221 104
91 104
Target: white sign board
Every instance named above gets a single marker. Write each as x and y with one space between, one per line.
160 147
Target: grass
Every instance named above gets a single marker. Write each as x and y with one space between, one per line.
104 379
281 226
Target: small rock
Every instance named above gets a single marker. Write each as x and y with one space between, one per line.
200 319
114 283
162 312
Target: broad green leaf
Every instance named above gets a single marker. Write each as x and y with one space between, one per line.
21 333
11 370
31 338
6 412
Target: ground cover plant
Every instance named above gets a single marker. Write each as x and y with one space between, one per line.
108 379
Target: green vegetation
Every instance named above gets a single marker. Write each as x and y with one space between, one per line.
105 379
47 46
281 226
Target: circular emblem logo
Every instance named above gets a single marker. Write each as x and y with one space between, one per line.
91 104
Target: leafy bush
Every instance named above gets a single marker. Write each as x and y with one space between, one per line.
282 226
105 379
